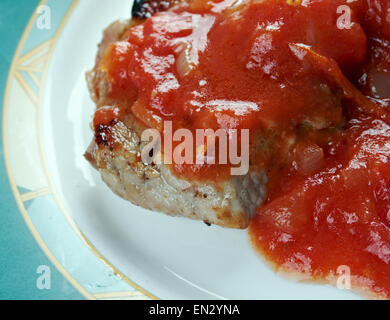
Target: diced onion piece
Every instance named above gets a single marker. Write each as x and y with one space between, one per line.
287 213
200 5
310 159
184 63
146 116
331 69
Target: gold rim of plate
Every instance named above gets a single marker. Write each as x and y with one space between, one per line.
20 199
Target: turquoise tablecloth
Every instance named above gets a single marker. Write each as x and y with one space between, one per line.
20 256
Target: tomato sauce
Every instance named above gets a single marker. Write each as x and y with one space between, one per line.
315 93
339 216
232 65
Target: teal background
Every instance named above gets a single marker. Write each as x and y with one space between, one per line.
20 255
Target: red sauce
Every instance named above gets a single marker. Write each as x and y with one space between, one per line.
286 73
338 216
214 65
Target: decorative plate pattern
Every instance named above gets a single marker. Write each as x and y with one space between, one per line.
53 229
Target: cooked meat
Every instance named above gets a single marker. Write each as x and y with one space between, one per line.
229 204
117 147
155 187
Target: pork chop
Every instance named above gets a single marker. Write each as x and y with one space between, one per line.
117 147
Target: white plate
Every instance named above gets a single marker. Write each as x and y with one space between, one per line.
171 258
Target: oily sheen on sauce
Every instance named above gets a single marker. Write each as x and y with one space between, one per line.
328 200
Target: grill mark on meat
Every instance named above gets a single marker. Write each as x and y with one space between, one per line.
103 135
143 9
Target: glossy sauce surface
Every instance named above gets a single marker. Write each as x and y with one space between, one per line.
234 65
339 216
299 83
335 221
